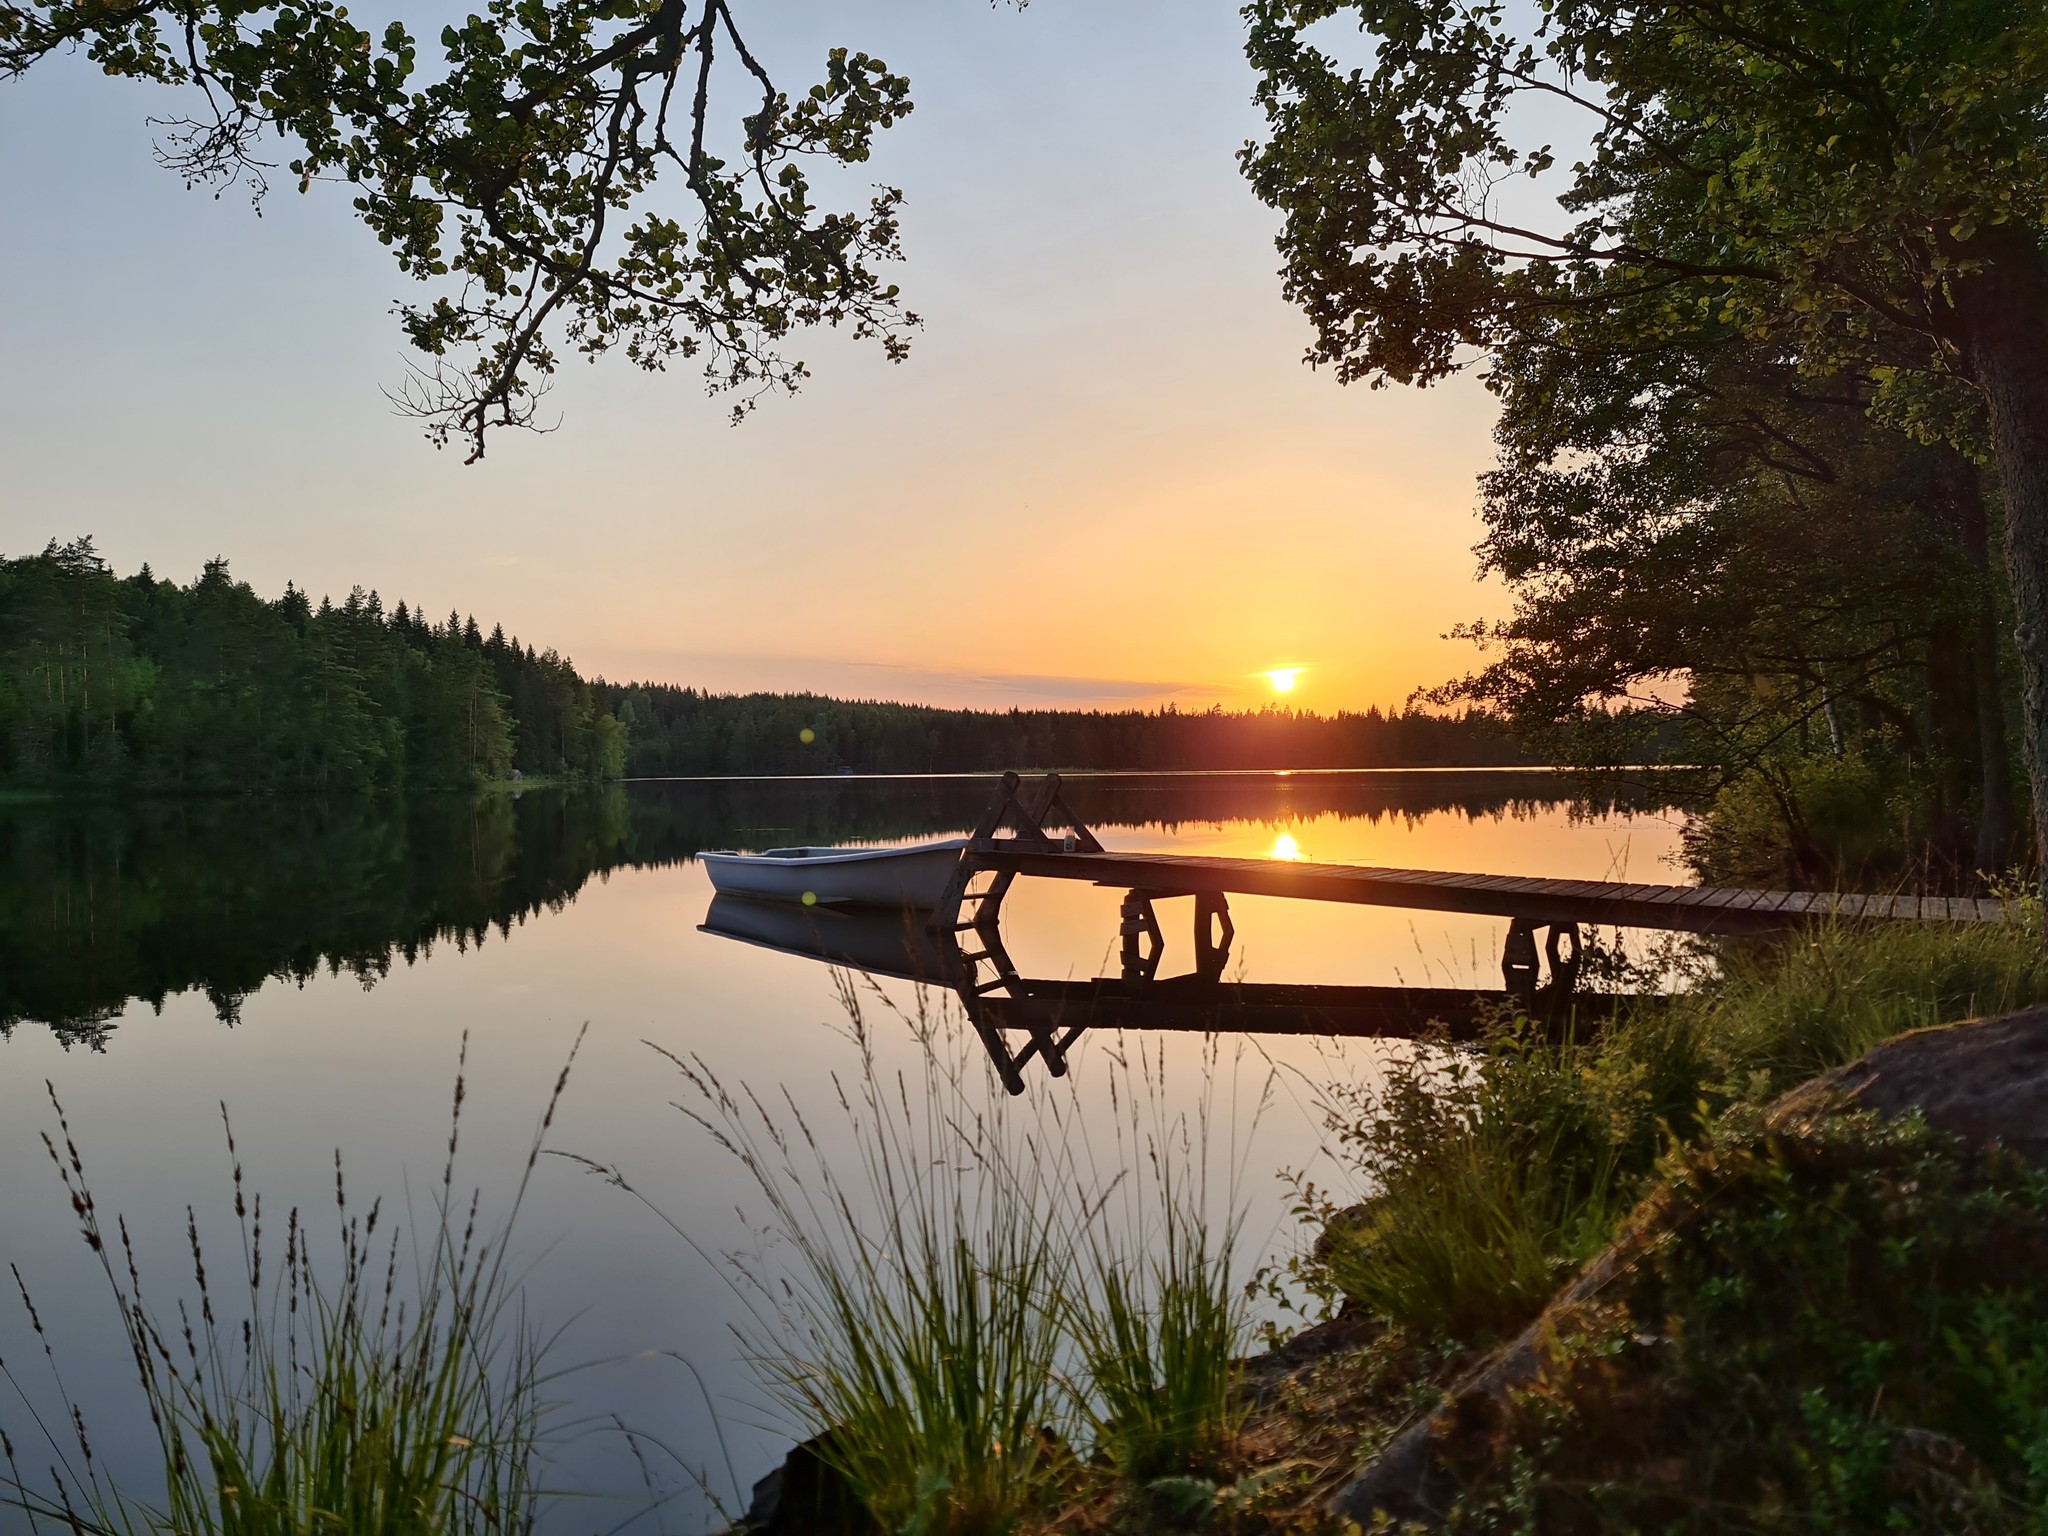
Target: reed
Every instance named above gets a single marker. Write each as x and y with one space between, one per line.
1158 1316
399 1394
957 1293
910 1316
1159 1336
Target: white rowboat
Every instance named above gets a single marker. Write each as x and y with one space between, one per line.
863 877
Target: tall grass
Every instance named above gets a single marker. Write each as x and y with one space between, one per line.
968 1306
906 1311
1159 1334
344 1404
1490 1175
1158 1317
1783 1013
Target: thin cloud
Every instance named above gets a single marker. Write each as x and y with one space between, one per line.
734 673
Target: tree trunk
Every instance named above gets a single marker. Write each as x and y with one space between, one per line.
1995 810
2004 312
1955 773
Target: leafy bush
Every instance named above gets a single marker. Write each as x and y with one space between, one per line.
1849 1335
1493 1175
1803 821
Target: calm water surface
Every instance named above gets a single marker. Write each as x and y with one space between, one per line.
315 968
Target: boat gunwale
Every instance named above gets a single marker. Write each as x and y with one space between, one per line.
800 858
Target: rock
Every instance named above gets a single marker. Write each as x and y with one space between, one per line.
804 1496
1261 1377
1985 1082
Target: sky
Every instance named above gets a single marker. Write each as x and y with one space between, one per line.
1104 477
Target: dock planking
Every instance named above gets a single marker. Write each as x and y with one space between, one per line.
997 998
1686 908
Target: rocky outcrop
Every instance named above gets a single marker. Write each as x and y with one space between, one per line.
804 1496
1985 1082
1263 1377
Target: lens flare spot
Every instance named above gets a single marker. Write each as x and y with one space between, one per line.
807 735
810 898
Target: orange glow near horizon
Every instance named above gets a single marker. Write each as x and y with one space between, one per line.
1070 497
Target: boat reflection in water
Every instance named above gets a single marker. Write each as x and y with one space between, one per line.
882 941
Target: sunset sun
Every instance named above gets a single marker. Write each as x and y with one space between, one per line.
1283 679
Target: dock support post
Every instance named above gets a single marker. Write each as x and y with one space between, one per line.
1563 947
1564 968
1214 932
1143 942
1518 960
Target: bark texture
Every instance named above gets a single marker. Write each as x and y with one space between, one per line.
2003 307
1996 813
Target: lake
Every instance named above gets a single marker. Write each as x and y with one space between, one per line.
314 966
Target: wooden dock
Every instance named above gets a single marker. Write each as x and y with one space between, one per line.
966 932
1685 908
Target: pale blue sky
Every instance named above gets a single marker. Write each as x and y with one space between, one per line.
1104 474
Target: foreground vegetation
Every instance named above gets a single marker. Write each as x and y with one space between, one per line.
1845 1330
1497 1173
320 1396
992 1318
974 1310
1848 1333
982 1322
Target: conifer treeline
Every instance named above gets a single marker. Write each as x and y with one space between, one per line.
142 683
683 731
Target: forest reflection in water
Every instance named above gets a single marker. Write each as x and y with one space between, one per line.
103 905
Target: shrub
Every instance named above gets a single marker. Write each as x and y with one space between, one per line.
1849 1335
1805 822
1493 1174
